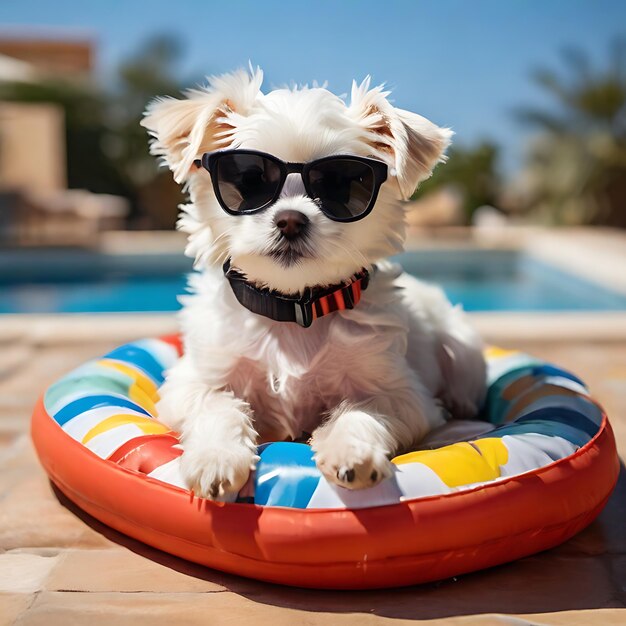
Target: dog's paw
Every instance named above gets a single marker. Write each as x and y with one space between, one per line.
350 461
217 473
353 464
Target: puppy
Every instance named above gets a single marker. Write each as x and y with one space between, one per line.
295 324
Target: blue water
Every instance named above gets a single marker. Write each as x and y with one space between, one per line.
505 280
481 280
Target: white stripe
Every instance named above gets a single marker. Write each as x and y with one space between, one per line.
165 353
495 369
566 383
170 473
80 425
109 441
330 496
531 451
410 480
417 480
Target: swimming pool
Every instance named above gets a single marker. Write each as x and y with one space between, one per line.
481 280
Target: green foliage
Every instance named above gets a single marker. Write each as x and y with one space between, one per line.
576 170
150 72
472 171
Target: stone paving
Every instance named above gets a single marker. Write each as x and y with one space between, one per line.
58 566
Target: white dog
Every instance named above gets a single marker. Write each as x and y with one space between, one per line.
367 382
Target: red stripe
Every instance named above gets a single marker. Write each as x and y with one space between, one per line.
324 304
145 454
341 304
173 340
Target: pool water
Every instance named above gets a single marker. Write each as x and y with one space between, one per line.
480 280
507 280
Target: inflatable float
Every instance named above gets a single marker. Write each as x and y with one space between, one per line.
542 473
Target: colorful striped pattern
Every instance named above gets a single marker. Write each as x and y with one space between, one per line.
539 412
346 297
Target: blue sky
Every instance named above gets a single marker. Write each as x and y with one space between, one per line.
462 63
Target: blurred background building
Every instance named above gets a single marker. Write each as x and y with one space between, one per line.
39 80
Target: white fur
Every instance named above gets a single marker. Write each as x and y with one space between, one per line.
384 373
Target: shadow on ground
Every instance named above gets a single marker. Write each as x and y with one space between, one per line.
586 572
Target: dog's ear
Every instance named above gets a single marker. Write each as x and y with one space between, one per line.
182 130
409 143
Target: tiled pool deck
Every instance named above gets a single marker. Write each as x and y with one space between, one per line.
59 567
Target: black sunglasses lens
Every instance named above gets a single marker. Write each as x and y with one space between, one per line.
343 186
246 181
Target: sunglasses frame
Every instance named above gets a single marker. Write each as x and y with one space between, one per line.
209 162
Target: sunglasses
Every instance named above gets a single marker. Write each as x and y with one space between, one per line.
247 181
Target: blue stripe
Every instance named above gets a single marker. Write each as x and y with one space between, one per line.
141 358
540 427
551 370
286 475
579 403
497 407
81 405
561 415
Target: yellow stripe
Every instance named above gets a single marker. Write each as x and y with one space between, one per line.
493 352
147 425
142 381
494 452
139 396
462 463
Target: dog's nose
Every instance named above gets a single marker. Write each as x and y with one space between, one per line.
291 223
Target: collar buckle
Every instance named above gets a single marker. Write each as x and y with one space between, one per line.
303 313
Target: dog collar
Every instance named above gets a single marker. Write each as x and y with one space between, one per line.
314 303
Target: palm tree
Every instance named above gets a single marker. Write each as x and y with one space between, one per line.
576 167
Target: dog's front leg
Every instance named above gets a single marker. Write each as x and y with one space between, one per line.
216 430
354 445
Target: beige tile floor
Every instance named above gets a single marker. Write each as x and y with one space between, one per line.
57 566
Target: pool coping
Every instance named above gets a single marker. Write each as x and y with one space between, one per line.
73 328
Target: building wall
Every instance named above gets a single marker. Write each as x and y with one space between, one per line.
32 147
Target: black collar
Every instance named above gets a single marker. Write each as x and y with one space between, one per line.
314 303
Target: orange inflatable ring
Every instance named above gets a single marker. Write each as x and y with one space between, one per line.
541 474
